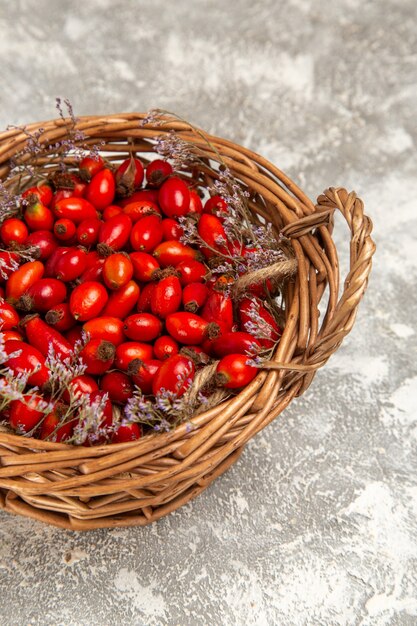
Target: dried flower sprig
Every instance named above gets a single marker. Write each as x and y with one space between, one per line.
13 385
90 415
238 225
167 410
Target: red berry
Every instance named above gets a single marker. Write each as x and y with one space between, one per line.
145 374
174 197
88 300
45 241
26 358
122 301
65 229
98 355
142 327
164 347
174 375
38 217
80 385
24 416
157 171
101 189
189 328
9 317
117 270
90 166
105 328
118 385
127 432
132 351
74 209
115 232
13 231
144 266
43 295
166 297
171 229
174 252
129 175
87 231
146 233
234 371
194 296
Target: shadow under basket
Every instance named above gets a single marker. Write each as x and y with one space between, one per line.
136 483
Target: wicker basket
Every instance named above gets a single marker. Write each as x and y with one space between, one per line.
136 483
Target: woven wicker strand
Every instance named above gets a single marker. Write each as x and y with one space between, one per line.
139 482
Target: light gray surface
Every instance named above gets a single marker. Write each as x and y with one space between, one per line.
316 524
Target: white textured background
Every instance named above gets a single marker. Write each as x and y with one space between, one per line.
316 524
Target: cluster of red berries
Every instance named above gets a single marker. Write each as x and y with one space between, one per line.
111 263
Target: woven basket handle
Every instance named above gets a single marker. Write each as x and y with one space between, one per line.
339 322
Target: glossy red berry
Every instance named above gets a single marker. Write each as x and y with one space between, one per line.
219 308
74 209
106 328
122 301
98 355
196 206
146 233
59 316
132 351
80 385
71 265
65 229
129 176
216 205
175 375
144 266
171 229
166 298
90 166
118 385
189 328
24 415
115 232
101 189
117 270
42 337
234 371
142 327
22 279
194 296
145 373
41 192
165 347
23 358
127 432
38 217
140 209
236 342
87 231
43 295
9 317
145 298
88 300
191 271
157 171
13 231
174 252
174 197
